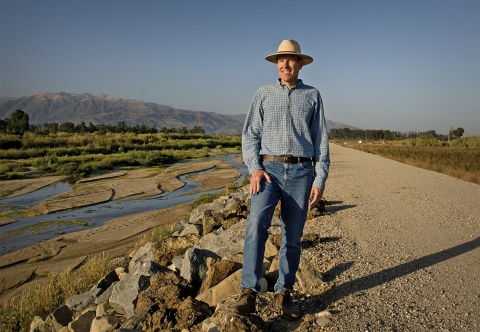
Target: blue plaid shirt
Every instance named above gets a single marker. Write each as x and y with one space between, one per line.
283 121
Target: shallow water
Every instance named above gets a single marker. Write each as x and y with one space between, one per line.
97 214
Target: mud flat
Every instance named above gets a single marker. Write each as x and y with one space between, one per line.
13 188
23 268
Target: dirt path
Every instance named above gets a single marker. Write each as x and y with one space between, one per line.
405 254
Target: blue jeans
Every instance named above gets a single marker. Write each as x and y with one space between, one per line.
291 184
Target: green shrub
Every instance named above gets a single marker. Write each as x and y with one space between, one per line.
10 142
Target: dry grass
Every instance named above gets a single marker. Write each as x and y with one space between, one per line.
42 299
459 160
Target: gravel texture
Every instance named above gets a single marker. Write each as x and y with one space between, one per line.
399 251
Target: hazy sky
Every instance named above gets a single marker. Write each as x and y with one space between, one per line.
398 65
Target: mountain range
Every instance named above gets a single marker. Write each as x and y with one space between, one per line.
104 109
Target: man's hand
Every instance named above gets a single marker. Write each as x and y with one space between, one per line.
315 195
256 180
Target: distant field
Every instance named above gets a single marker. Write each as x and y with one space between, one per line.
459 158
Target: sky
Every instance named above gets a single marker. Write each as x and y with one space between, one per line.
393 65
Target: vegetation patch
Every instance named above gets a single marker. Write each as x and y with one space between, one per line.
44 298
6 213
81 154
459 158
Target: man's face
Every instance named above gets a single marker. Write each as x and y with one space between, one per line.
288 66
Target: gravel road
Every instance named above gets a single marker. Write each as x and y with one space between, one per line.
401 249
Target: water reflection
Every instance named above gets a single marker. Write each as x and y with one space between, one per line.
97 214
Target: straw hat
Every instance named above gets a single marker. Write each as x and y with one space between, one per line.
289 46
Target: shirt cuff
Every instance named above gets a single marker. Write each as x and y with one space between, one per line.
320 183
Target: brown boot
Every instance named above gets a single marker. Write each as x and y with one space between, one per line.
245 304
290 310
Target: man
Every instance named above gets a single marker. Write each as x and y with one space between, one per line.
285 147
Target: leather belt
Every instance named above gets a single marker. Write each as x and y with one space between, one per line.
285 159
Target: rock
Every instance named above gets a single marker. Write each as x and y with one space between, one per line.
266 266
271 250
167 290
227 287
194 265
227 223
59 318
317 210
83 322
324 313
272 274
177 262
189 229
225 243
211 221
277 240
309 279
80 302
209 326
38 324
136 321
103 309
263 285
247 324
191 312
310 239
238 258
197 213
234 209
218 270
125 293
108 280
107 323
323 321
143 261
105 296
119 270
168 247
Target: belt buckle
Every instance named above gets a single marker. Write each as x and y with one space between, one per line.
285 159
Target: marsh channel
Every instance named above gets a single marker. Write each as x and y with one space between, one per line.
27 231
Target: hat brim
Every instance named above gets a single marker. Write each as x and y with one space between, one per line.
306 58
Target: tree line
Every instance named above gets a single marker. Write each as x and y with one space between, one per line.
376 135
19 123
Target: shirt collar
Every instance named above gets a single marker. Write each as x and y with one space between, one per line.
297 86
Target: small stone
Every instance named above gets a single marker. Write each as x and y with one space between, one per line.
323 321
325 313
263 285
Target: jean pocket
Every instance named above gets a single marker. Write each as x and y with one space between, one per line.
307 165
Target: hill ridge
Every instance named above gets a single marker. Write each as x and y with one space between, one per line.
63 107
